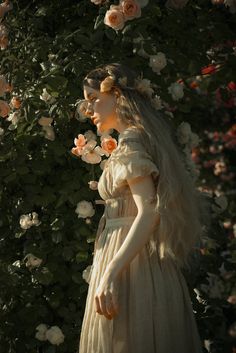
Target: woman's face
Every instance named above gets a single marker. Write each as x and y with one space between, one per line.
101 108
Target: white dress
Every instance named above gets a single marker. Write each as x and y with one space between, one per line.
155 310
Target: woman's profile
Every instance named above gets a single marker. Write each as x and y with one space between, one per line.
138 300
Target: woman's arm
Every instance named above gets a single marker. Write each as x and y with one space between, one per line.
143 191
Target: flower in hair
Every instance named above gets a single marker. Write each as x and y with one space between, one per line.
107 84
144 86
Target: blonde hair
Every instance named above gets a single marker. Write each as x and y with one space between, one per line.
178 202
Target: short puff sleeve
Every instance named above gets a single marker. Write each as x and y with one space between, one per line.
131 160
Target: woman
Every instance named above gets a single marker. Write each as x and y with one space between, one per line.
138 300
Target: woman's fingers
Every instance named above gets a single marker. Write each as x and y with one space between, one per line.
105 305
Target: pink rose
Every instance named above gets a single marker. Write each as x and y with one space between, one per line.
114 17
108 144
4 109
131 9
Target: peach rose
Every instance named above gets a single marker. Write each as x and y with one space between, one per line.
80 141
16 102
131 9
4 109
108 144
114 17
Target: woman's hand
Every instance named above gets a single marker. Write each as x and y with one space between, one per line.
106 296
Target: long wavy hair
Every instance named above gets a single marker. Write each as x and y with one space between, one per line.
178 202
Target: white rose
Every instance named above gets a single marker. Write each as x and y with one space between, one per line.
46 97
35 220
157 102
93 185
25 221
87 273
49 133
33 261
183 133
176 90
29 220
54 335
89 135
41 334
157 62
142 3
84 209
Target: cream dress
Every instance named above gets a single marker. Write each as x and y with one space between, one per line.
155 310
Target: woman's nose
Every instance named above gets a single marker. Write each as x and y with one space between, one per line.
89 110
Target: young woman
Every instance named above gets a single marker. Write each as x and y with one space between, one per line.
138 300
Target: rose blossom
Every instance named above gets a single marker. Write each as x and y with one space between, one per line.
108 144
131 9
93 185
157 62
27 221
84 209
114 17
144 86
91 154
33 261
41 332
54 335
4 109
176 4
176 90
